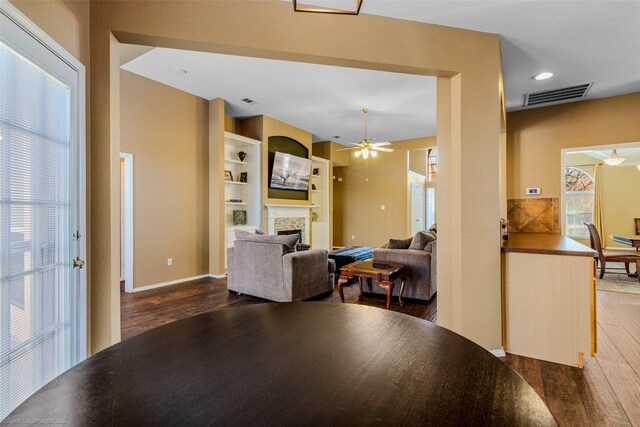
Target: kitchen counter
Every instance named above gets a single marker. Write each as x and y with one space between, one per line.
546 244
549 298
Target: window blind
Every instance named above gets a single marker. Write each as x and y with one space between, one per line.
35 235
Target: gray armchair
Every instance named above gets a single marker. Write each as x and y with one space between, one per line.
420 265
268 270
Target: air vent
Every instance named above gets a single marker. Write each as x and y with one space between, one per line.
557 95
249 101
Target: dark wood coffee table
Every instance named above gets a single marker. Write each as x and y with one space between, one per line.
288 364
383 273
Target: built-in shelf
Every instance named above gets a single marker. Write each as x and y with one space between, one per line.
249 192
237 162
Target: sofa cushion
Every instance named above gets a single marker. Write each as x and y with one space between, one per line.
421 239
429 246
399 243
288 240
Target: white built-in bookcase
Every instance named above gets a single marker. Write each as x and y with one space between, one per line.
320 229
249 192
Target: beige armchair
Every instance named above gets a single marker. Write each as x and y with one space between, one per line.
263 267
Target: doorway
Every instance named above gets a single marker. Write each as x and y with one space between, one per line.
417 208
126 220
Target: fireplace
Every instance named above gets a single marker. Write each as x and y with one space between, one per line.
290 217
293 231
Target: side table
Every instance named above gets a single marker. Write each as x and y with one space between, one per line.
385 274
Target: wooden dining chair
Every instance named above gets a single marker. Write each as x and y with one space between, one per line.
605 256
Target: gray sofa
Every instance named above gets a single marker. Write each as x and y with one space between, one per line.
420 266
267 267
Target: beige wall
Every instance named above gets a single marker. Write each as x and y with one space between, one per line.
536 137
620 187
418 161
357 201
167 132
467 65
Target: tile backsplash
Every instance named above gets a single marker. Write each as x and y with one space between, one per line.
535 215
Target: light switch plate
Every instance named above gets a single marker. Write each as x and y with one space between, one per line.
533 191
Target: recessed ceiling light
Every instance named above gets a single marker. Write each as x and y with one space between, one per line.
543 76
181 71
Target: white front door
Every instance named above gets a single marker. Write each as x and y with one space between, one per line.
417 208
42 295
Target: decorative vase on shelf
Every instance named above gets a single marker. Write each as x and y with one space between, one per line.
242 155
239 217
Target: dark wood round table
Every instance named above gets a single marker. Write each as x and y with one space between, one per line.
291 364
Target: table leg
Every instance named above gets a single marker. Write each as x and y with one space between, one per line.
360 279
638 269
389 287
404 281
341 281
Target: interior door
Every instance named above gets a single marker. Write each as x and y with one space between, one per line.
417 208
42 295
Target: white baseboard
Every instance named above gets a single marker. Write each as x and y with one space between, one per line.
218 276
498 352
172 282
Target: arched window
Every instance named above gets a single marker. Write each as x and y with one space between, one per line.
578 201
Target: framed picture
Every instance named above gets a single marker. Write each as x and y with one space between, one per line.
243 177
637 226
228 176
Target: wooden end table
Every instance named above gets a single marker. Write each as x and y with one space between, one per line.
385 274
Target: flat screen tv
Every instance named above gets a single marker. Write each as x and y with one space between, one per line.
290 172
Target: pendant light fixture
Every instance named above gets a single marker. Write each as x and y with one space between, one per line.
614 160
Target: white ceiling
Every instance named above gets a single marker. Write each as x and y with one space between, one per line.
631 154
326 101
579 41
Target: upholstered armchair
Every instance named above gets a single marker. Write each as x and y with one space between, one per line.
262 267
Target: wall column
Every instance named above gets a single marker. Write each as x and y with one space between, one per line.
468 204
216 187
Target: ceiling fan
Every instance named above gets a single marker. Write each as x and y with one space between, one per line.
366 147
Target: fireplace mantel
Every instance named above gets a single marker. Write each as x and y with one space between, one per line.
275 211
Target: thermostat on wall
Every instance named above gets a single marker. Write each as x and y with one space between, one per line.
533 191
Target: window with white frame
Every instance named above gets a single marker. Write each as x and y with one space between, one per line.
579 190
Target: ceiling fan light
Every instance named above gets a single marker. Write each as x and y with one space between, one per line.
374 153
357 153
614 160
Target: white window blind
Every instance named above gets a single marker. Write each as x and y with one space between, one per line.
37 302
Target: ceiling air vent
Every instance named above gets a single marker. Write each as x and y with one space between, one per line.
249 101
570 93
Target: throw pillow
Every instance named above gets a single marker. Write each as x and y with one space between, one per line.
259 232
421 239
433 229
399 243
288 240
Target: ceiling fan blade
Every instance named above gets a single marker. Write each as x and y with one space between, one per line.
349 148
380 144
386 150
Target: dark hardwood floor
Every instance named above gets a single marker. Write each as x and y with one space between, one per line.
605 393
